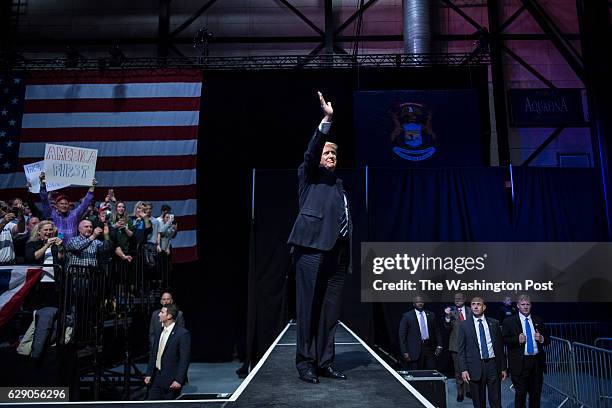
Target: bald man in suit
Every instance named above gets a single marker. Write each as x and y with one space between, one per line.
481 356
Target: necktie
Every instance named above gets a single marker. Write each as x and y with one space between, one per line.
484 350
162 344
424 331
529 337
461 315
344 218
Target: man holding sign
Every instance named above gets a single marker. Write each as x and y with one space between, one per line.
65 220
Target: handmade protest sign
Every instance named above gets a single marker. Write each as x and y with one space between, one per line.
69 164
32 172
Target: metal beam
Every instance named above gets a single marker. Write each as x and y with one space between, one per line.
356 14
543 146
251 62
458 10
193 18
503 37
6 40
499 86
329 27
302 17
163 30
528 67
511 19
594 23
565 48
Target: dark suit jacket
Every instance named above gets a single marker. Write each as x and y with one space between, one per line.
453 326
410 333
321 202
469 352
155 326
175 359
511 329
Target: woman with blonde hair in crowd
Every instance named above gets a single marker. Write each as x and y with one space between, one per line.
44 246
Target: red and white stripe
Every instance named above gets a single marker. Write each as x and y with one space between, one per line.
144 125
21 280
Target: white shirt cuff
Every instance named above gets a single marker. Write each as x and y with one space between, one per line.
324 127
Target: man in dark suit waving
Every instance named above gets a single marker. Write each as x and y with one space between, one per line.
480 351
525 336
169 359
420 337
321 245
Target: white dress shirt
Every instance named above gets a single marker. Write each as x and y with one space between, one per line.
487 335
533 332
424 330
163 339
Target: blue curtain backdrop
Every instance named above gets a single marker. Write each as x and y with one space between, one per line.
460 204
559 204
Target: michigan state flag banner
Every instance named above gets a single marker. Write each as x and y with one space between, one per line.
424 128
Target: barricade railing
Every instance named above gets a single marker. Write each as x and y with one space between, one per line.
603 342
583 332
594 375
560 379
82 304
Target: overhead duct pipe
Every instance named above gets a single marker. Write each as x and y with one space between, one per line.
417 26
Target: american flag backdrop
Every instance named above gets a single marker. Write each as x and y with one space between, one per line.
143 123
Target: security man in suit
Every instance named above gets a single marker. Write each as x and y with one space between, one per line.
453 316
320 242
420 337
169 359
481 356
155 327
525 336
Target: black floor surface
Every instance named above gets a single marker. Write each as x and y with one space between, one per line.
369 384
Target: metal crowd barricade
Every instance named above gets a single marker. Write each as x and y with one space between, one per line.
603 342
583 332
594 375
82 305
560 378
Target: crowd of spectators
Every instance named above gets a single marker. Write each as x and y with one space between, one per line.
78 233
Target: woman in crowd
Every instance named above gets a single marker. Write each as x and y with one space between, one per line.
167 231
141 223
122 230
44 247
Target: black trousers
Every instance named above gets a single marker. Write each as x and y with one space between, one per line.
529 381
159 391
426 360
462 386
319 280
490 382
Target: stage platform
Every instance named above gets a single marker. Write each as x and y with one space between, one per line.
371 382
274 382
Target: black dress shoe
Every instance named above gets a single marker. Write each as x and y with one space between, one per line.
331 372
309 377
460 398
468 394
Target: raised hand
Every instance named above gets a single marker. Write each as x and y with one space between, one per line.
326 107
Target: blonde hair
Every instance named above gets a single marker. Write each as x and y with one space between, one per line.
34 235
138 205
